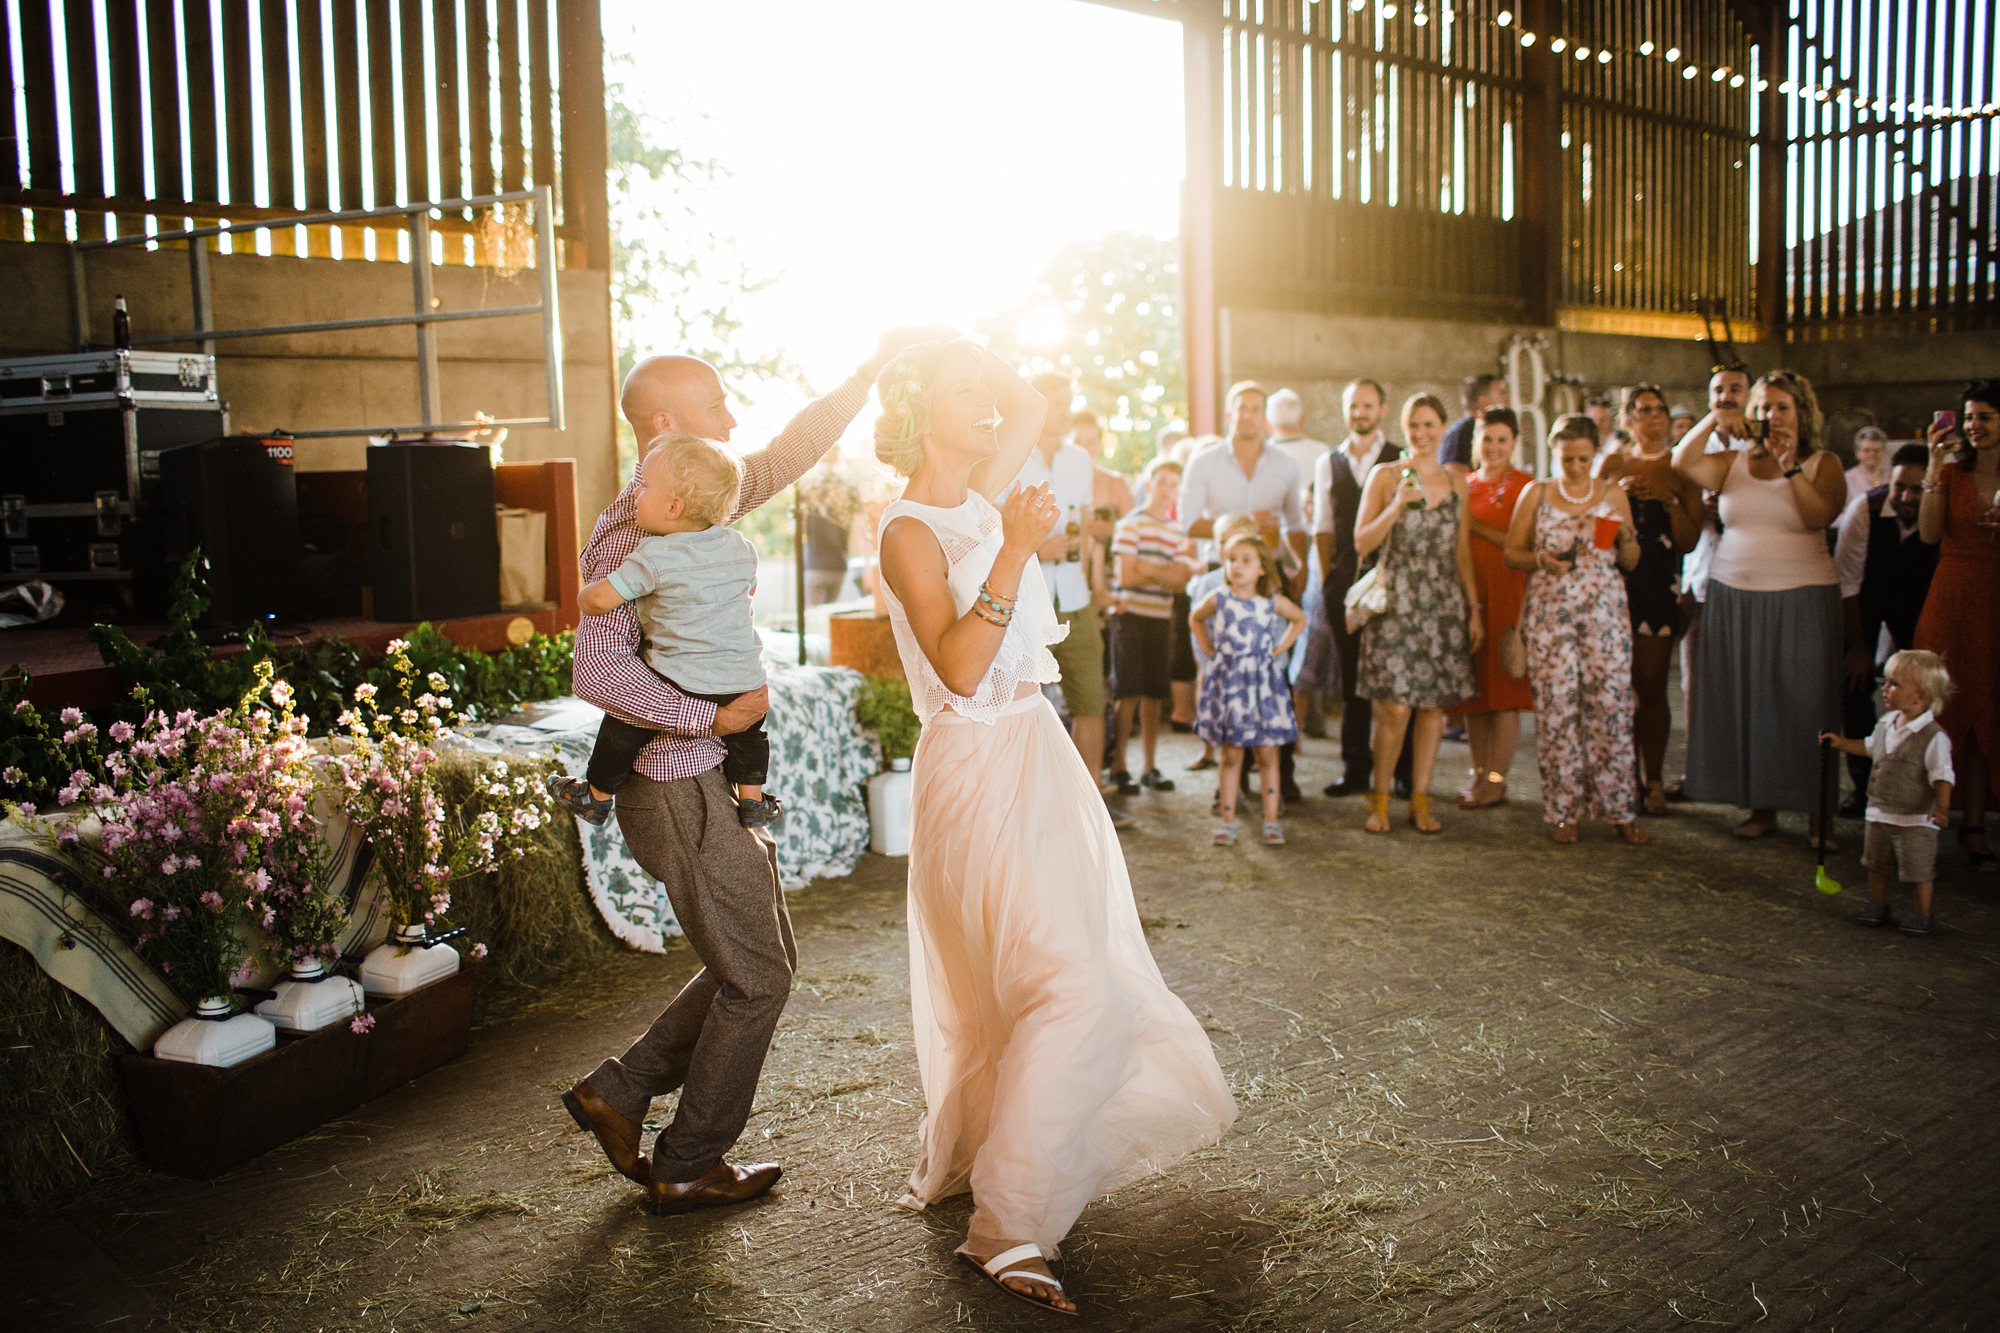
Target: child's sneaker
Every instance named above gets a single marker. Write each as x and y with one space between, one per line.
756 814
573 795
1875 914
1916 925
1152 781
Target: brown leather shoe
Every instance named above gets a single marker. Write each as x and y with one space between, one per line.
618 1136
724 1185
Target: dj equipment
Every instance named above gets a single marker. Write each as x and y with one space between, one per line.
432 538
236 499
72 432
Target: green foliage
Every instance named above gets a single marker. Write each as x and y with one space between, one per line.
884 708
175 673
1117 300
674 278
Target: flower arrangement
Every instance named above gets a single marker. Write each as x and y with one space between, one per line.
207 826
386 782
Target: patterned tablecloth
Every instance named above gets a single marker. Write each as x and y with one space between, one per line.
820 759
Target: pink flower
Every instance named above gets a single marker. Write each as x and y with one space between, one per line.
141 907
479 950
71 715
212 901
281 693
22 707
12 776
121 731
170 865
362 1024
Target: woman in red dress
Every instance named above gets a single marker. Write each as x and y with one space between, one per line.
1961 620
1493 717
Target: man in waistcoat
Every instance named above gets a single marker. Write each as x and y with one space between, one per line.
1337 482
1885 574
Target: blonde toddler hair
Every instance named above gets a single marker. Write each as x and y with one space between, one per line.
1926 671
702 473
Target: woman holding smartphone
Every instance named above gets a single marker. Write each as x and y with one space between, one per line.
1961 620
1768 672
1576 535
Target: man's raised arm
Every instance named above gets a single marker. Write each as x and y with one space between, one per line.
819 426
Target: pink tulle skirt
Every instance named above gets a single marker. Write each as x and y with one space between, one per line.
1056 1064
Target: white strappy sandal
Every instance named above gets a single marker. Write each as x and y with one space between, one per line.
996 1268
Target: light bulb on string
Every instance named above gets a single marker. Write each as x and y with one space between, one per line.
1504 17
1603 57
1527 39
1718 76
1673 54
1645 48
1557 44
1689 72
1583 53
1388 11
1736 81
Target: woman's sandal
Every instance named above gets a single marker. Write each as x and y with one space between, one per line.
1378 811
1633 834
1656 799
1001 1266
1202 764
1420 813
1471 800
1984 862
1563 832
1225 834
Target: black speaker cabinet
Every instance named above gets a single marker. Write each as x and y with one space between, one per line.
435 547
236 499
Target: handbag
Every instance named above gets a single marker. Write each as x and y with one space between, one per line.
1513 653
1367 598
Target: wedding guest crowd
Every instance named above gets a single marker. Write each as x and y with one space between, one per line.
1435 577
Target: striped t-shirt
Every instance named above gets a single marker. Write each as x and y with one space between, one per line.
1140 534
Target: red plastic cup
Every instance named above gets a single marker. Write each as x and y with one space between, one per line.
1605 535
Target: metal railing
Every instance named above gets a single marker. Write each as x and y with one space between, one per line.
422 318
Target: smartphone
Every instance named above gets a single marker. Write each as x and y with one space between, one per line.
1755 428
1944 420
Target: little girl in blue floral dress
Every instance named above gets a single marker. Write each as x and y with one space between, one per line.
1245 700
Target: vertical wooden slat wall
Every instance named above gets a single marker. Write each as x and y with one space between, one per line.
513 161
318 165
347 112
128 177
277 72
87 153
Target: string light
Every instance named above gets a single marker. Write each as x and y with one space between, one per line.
1673 54
1527 39
1689 72
1603 57
1645 48
1719 75
1583 53
1557 45
1506 17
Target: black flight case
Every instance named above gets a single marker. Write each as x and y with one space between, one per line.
75 433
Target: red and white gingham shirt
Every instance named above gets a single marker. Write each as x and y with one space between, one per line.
609 671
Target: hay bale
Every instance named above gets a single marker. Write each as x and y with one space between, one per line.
63 1119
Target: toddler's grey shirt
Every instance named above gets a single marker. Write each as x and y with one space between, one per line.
696 608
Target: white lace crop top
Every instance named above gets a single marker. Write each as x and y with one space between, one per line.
970 538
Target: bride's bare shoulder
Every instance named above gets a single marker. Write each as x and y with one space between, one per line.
908 543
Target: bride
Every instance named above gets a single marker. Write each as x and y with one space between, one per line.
1056 1064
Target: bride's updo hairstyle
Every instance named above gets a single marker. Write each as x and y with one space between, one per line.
904 389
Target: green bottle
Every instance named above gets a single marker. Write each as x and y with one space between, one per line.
1409 478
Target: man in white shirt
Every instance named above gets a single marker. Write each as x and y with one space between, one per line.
1728 391
1244 475
1072 567
1312 657
1338 477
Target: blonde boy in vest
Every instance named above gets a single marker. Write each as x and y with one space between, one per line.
1909 792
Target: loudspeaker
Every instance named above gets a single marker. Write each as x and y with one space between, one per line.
236 499
432 537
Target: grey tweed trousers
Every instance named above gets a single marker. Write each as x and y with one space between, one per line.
722 880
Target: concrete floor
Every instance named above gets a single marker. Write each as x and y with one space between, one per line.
1484 1082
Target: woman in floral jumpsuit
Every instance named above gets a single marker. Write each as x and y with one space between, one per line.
1575 534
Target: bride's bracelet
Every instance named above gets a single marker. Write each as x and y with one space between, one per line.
1000 602
1001 620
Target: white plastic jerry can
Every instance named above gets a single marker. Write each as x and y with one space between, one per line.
309 999
209 1038
889 810
403 963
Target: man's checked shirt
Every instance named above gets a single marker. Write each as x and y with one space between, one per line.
609 670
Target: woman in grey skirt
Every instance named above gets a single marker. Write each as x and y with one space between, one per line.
1767 677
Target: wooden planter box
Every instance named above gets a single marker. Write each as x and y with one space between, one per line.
198 1121
864 641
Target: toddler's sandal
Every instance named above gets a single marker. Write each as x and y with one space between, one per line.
573 795
756 814
1225 835
1274 833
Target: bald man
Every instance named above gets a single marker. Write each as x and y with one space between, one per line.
677 815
